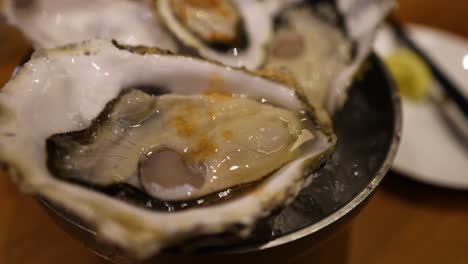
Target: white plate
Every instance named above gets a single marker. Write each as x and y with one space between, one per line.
428 151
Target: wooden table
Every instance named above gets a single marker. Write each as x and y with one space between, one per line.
405 222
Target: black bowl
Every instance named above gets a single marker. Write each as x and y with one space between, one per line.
368 129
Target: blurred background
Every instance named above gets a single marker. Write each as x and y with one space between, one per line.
405 222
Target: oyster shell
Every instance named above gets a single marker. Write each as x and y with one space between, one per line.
77 87
362 19
51 23
234 32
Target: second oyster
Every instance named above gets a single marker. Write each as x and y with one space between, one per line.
234 32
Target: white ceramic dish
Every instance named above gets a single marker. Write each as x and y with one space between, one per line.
429 152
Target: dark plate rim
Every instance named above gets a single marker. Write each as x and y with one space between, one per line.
368 190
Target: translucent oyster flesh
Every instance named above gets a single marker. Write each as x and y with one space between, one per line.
212 141
99 88
51 23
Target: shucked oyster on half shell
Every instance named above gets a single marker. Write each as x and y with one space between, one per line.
52 23
152 148
234 32
323 43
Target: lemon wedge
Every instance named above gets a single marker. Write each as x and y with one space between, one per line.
412 75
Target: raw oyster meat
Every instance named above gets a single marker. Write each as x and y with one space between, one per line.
212 141
80 120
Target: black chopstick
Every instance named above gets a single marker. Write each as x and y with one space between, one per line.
447 85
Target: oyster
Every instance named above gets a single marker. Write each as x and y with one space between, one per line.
234 32
81 120
310 49
323 44
51 23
